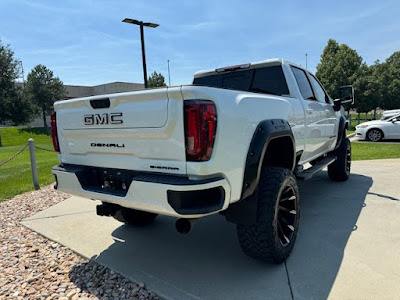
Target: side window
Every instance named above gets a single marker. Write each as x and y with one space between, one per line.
304 84
319 91
270 80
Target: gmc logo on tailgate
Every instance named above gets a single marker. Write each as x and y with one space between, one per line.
104 119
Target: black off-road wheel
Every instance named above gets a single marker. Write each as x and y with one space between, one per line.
272 237
340 169
134 217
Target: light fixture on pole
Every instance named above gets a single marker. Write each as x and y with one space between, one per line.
141 24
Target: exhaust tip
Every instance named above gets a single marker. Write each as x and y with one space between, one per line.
184 226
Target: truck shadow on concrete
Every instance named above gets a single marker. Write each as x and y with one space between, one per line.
209 264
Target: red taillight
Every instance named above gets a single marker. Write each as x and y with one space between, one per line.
54 135
200 128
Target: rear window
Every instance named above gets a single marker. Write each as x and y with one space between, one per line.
269 80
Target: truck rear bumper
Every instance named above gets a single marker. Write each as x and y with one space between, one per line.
163 194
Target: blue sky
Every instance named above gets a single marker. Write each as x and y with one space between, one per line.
85 43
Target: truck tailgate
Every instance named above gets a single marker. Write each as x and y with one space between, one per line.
140 131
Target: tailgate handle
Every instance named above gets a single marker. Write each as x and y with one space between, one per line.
100 103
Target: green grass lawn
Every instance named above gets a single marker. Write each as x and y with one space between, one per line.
14 136
16 176
365 151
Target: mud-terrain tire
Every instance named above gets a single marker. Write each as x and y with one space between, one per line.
339 170
134 217
273 236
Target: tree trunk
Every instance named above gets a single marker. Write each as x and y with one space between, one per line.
44 117
375 113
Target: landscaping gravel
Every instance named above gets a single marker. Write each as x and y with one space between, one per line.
33 267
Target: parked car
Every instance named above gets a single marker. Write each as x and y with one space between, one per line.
389 114
378 130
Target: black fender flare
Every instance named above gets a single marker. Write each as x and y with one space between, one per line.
343 125
245 210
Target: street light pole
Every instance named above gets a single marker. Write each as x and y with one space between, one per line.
141 24
143 55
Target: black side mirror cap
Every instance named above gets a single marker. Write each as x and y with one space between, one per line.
346 97
346 94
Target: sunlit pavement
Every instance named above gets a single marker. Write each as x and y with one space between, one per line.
347 247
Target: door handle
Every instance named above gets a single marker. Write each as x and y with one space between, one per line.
327 111
310 110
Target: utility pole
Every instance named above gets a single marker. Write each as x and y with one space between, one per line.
141 24
169 75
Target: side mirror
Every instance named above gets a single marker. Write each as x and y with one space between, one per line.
346 97
346 94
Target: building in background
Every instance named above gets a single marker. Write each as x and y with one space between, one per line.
77 91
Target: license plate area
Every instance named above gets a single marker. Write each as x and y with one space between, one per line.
108 181
115 180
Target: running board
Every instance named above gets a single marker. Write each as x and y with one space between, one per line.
310 172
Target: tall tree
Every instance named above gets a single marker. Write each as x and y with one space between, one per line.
13 106
21 110
368 89
156 79
44 89
389 77
338 66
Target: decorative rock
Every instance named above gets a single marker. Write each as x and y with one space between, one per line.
33 267
75 297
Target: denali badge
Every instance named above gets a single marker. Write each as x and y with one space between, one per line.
97 119
164 168
107 145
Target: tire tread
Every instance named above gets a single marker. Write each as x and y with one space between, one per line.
337 169
260 240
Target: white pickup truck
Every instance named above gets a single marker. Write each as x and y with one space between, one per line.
234 142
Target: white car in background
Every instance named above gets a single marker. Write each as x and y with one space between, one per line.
387 114
377 130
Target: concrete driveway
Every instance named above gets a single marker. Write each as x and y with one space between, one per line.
347 248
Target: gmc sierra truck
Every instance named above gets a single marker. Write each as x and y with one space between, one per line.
234 142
